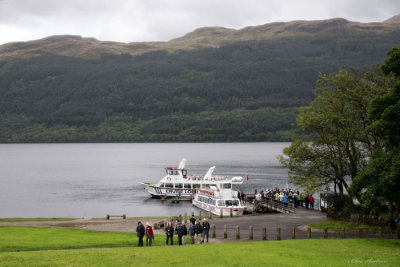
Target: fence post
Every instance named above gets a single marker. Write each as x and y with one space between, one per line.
380 232
360 232
225 232
199 214
278 233
293 232
221 213
209 214
231 213
309 232
251 232
180 218
237 232
213 234
264 233
344 232
185 217
325 232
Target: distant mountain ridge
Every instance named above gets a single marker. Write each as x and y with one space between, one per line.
77 46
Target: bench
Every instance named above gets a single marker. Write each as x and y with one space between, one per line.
123 216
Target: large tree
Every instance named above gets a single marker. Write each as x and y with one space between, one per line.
335 145
379 184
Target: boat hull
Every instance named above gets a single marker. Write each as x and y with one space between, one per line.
226 211
167 193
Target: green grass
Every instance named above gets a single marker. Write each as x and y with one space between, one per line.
337 225
34 219
18 238
308 252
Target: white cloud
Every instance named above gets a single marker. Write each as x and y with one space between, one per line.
161 20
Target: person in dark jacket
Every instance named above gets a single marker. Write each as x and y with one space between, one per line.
169 231
193 220
198 231
192 231
180 230
140 233
206 229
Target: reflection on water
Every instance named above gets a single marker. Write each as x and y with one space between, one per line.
92 180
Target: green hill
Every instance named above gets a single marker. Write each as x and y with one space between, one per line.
241 85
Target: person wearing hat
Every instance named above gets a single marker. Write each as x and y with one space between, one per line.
140 233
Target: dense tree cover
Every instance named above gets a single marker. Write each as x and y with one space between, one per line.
246 91
339 145
378 185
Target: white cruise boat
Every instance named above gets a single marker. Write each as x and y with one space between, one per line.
178 184
220 197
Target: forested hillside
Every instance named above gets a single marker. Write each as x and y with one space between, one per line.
242 91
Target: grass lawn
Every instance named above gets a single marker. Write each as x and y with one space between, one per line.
307 252
34 219
337 225
18 238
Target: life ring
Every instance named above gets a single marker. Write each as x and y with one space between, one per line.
169 178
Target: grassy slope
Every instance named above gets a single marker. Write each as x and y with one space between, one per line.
312 252
337 225
35 219
315 252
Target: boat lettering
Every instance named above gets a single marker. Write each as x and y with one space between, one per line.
179 191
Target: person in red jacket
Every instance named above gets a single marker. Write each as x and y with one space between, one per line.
311 201
149 235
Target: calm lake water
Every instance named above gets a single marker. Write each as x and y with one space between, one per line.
92 180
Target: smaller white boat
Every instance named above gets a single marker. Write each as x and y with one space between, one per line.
220 198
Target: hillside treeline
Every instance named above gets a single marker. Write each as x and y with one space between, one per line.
246 91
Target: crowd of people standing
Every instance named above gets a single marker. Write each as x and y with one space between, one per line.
300 199
198 232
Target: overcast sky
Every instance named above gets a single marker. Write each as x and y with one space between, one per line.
162 20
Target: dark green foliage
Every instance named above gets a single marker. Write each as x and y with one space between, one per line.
247 91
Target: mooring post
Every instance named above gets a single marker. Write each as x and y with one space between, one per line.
225 232
360 232
199 214
124 216
221 213
325 232
344 232
209 214
293 232
278 233
251 232
230 213
185 217
213 233
264 233
180 218
108 216
237 232
309 232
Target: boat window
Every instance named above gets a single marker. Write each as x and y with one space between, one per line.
228 203
178 185
170 172
184 173
205 186
214 185
175 172
169 185
214 202
196 185
221 203
235 202
226 186
161 184
187 186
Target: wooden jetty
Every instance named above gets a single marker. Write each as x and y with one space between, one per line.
272 205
